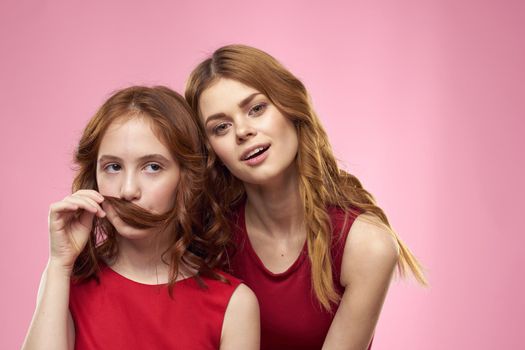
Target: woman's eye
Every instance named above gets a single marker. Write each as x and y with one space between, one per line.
257 109
221 128
112 168
153 168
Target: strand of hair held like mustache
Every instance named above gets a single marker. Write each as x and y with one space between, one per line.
137 216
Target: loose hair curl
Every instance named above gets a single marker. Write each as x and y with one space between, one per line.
171 119
321 182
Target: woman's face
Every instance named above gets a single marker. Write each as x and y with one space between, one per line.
134 165
253 139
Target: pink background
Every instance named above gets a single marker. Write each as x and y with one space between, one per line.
423 101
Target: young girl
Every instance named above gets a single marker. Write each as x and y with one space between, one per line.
121 272
310 241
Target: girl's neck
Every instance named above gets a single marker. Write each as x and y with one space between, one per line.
143 260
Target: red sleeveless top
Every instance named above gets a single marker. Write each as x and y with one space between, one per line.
119 313
291 317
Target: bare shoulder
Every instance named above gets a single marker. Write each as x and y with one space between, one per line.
370 249
243 297
369 236
241 326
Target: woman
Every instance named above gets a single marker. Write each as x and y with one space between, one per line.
120 273
271 170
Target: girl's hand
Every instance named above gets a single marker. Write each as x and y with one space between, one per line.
70 223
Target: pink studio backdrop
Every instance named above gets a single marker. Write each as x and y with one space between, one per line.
423 101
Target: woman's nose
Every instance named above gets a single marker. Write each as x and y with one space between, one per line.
244 131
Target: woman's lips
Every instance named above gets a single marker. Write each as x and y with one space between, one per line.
253 151
257 156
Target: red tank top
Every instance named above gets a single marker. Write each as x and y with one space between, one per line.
291 318
119 313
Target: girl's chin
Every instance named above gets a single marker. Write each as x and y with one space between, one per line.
133 233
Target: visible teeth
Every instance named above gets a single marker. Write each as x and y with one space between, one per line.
255 151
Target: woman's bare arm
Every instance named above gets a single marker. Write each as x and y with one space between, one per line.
369 259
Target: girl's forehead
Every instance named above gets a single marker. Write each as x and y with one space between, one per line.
132 136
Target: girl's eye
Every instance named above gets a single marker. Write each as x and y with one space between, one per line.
112 168
221 128
257 109
153 168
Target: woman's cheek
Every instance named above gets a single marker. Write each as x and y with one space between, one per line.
225 156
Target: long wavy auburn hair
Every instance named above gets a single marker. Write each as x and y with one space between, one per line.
171 120
321 182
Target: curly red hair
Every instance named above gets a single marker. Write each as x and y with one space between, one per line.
172 121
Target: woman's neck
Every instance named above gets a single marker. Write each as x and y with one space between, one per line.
277 208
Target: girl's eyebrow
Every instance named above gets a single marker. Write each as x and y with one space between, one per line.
154 157
147 157
241 104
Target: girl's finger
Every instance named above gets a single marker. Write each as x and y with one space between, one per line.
97 197
112 215
61 207
83 203
86 219
100 212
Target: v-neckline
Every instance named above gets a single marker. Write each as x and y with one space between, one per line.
293 267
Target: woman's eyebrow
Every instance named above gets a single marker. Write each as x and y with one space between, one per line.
241 104
215 116
248 99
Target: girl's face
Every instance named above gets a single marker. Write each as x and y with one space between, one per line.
134 165
253 139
